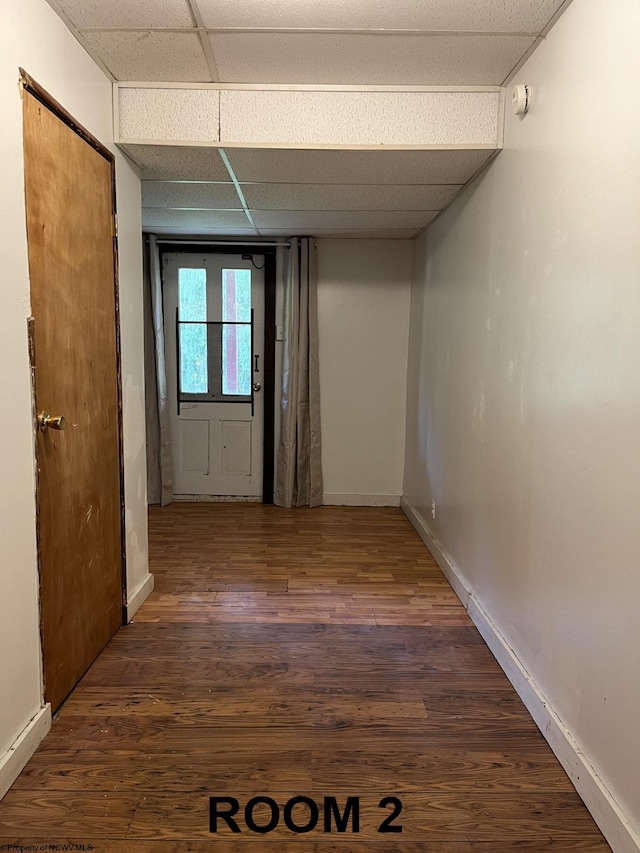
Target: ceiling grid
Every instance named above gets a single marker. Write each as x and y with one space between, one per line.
204 40
247 189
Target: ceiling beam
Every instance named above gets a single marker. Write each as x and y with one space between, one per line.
217 116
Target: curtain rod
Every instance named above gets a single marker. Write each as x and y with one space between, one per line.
221 242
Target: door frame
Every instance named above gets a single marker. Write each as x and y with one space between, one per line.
269 375
33 88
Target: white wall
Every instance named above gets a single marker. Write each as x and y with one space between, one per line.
524 386
33 37
363 318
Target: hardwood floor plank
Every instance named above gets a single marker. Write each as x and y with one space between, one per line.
101 814
337 733
247 771
441 770
137 771
285 652
259 844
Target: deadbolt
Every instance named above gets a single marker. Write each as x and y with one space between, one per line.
47 421
256 386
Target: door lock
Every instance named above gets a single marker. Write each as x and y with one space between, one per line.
256 386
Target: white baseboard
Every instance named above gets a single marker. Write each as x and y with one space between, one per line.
21 750
450 570
613 823
342 499
139 595
217 499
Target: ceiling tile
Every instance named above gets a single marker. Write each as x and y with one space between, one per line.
498 15
178 163
340 219
193 219
347 197
356 167
190 195
359 118
123 14
180 115
330 58
151 56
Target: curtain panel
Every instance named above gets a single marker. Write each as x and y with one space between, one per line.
159 474
299 459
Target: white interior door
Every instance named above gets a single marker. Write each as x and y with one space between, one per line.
215 359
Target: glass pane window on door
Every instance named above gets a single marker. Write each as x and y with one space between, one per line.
236 339
192 313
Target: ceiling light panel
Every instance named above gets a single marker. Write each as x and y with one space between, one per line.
337 220
356 167
347 197
328 58
151 56
123 14
496 15
193 219
190 195
177 163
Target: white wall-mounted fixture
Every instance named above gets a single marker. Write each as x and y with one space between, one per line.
520 97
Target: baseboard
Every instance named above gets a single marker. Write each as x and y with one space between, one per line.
613 823
595 795
216 499
139 596
21 750
449 569
342 499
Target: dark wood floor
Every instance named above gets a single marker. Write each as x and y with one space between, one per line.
306 652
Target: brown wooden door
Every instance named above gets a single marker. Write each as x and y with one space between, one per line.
69 200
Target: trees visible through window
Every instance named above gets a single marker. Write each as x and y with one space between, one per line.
236 340
192 307
215 354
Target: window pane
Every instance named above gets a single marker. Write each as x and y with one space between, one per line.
236 340
192 294
192 306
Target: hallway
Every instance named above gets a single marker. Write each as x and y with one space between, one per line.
295 652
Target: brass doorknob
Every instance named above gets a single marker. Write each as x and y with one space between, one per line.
47 421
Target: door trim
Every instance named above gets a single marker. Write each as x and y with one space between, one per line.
269 379
33 88
269 387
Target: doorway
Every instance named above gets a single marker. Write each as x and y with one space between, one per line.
70 192
219 314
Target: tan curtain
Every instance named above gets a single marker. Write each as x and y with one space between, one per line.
159 473
299 465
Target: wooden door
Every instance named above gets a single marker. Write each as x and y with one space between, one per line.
69 203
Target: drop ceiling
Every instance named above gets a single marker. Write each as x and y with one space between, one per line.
253 191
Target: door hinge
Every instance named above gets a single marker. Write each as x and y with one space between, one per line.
114 225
